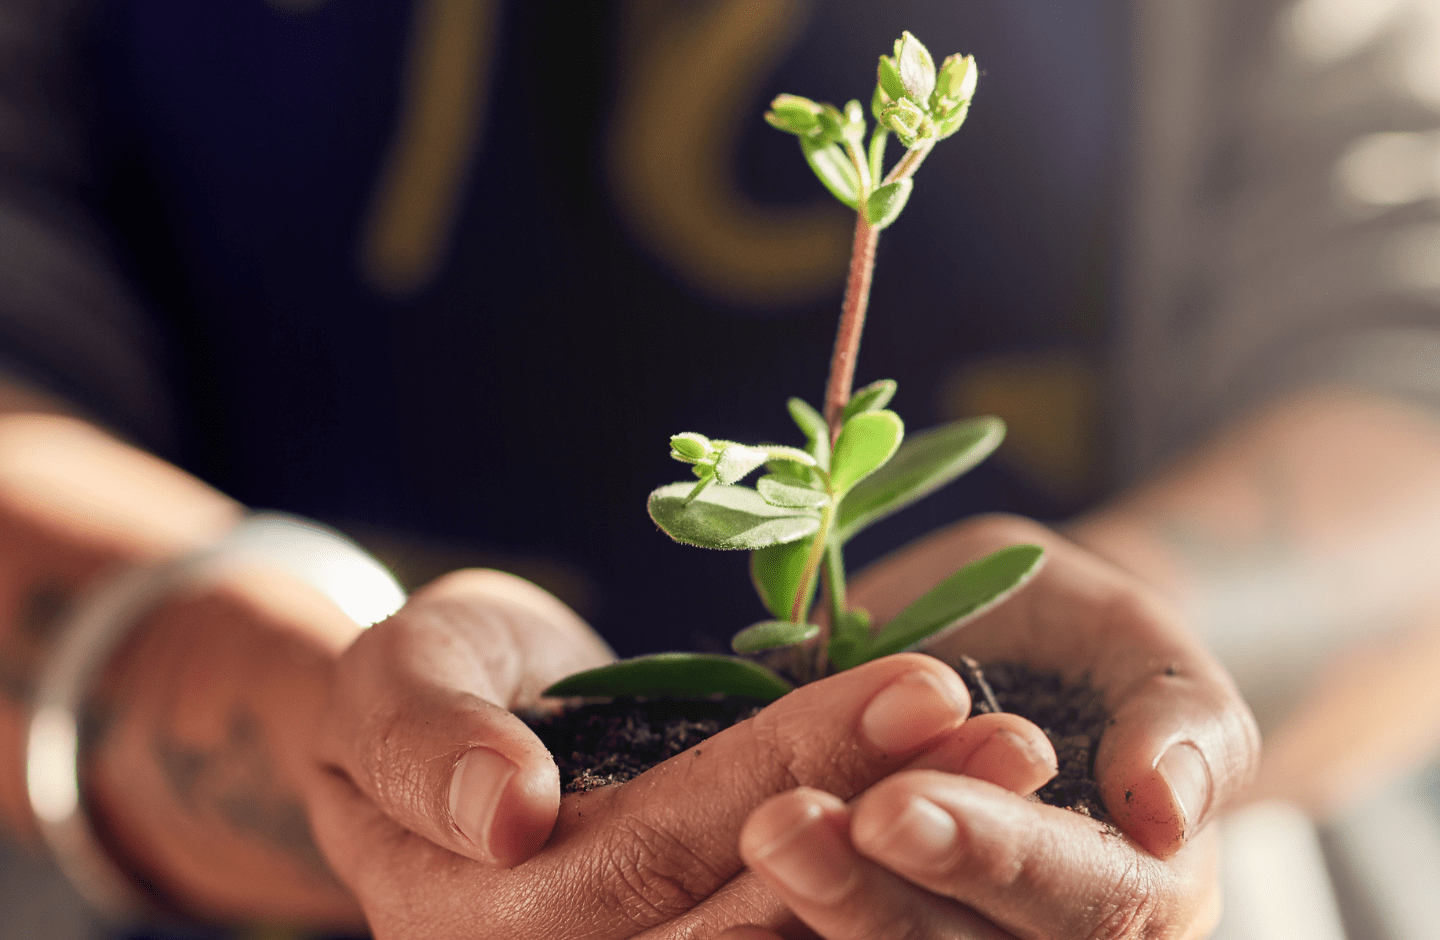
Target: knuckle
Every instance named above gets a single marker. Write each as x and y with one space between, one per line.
774 738
803 747
383 748
997 863
648 876
1127 910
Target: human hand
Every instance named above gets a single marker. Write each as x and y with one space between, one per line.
927 854
658 855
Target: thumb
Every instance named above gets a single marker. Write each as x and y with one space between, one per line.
420 715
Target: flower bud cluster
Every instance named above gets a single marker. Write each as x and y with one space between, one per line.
726 462
917 102
818 122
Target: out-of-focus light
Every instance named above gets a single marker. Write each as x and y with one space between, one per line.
1323 31
1390 169
50 763
357 584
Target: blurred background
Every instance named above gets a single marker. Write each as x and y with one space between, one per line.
446 274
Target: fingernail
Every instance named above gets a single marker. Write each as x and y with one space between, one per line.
911 711
475 789
994 760
1185 772
809 858
923 834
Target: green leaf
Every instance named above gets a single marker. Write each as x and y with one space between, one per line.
812 424
674 675
924 463
866 441
887 80
772 634
852 634
834 169
727 517
872 397
782 492
781 452
736 461
964 595
877 150
776 572
884 205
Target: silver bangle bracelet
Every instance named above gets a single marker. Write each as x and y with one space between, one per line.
105 615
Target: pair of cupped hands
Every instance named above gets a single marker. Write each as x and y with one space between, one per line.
864 805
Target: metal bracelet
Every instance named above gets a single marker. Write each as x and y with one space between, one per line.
105 615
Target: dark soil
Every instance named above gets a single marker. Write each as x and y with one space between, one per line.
611 742
1070 714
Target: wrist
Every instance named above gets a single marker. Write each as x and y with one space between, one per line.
197 724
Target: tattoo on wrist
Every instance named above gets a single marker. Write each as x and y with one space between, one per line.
237 782
23 647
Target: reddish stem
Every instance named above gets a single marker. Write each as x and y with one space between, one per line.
852 323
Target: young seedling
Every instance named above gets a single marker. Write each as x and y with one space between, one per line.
856 466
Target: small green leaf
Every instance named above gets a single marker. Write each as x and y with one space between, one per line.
776 572
736 461
782 492
916 68
834 169
926 462
781 452
727 517
812 424
674 675
885 204
887 81
689 446
966 594
772 634
866 442
872 397
877 151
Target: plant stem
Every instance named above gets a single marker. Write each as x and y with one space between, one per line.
852 323
835 588
812 564
857 299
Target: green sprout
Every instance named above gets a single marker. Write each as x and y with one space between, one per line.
857 466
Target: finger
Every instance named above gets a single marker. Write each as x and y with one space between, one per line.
799 843
1027 867
1002 749
678 823
420 717
748 933
1181 744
